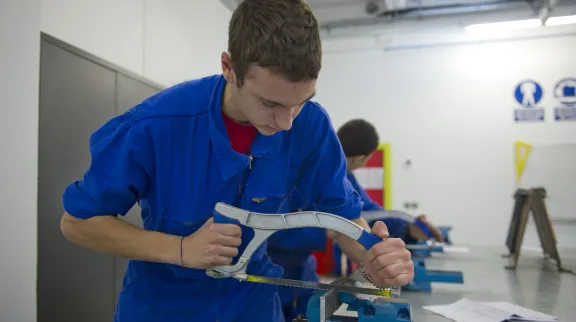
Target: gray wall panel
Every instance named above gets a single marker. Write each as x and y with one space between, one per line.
131 92
77 96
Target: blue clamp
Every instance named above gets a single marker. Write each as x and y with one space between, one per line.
322 306
424 278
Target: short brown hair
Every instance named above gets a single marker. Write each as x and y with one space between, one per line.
281 35
358 137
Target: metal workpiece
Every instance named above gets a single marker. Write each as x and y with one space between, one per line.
395 291
424 249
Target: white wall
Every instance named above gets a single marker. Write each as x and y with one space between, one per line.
167 41
449 109
453 121
19 63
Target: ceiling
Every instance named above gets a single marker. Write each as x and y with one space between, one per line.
355 13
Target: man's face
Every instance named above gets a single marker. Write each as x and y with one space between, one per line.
268 101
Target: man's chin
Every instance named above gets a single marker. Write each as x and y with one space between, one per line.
267 131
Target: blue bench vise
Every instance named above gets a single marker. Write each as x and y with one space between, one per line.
422 249
322 307
423 278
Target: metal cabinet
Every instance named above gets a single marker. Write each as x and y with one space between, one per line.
78 93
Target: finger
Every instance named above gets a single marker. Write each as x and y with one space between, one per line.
225 240
369 255
395 269
227 251
399 280
387 246
227 229
379 229
220 260
209 222
383 261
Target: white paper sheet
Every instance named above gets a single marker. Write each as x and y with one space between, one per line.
466 310
527 314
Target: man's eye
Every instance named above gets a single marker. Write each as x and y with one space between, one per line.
270 104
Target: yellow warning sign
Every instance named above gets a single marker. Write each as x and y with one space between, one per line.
522 153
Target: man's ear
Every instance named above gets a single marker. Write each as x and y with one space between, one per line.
363 159
227 70
352 162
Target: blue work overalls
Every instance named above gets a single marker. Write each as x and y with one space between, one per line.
172 155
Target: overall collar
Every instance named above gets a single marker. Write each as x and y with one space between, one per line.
231 162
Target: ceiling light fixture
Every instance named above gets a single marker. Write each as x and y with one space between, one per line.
499 28
496 28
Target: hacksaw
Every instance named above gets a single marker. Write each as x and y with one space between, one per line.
264 225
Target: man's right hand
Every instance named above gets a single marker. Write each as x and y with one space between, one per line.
211 245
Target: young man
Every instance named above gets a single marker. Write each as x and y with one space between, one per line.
293 249
248 138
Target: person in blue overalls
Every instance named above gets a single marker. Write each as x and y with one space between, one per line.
247 137
293 249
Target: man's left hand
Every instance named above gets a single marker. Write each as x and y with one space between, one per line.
388 263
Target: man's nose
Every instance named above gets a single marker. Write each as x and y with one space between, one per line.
284 118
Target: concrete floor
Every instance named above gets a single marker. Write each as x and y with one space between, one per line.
534 284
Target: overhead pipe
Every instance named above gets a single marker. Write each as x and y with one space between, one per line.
422 12
448 43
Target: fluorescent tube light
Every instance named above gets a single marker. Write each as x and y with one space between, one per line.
496 28
558 21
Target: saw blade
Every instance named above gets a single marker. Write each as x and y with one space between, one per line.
314 285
